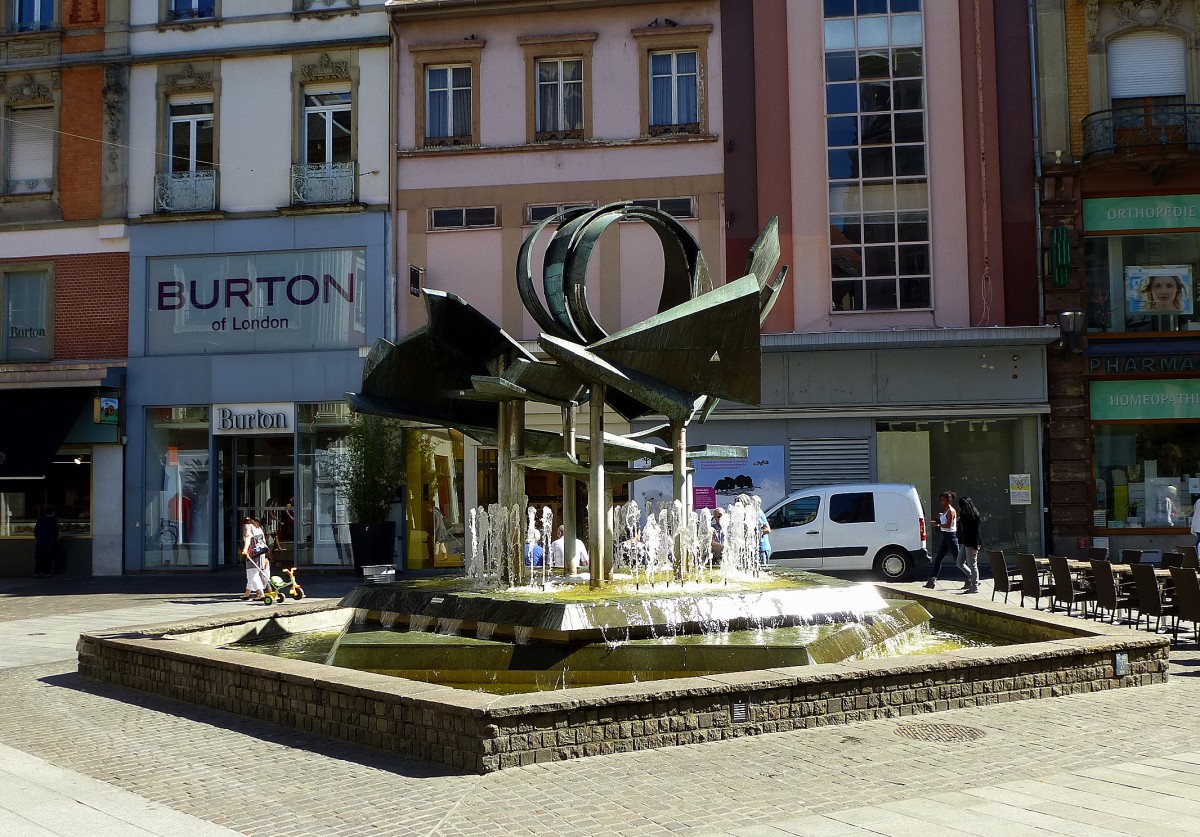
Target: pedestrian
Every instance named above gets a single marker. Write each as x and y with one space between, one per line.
534 554
45 542
969 543
271 525
558 550
256 551
948 527
717 544
1196 524
764 528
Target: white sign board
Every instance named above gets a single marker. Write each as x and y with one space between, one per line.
274 419
1020 490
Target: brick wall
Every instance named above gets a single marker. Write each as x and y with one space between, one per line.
1077 71
79 151
91 305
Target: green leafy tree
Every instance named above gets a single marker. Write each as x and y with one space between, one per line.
371 472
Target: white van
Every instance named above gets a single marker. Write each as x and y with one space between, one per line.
868 526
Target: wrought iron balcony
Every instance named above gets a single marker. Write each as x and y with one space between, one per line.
185 191
1144 130
28 186
320 183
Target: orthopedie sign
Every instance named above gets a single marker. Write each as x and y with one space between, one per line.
273 419
256 302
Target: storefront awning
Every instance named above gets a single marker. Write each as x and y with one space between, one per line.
33 424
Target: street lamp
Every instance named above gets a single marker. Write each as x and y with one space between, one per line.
1072 325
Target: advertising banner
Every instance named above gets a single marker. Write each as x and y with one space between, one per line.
717 482
256 302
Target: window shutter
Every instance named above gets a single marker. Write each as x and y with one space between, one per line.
828 461
1147 64
31 154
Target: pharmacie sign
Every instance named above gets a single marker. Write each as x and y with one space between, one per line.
1145 400
252 419
1143 212
256 302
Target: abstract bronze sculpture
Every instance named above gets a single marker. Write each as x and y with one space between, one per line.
461 370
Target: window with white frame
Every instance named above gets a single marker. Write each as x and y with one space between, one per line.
448 106
32 15
675 207
29 152
190 134
560 98
328 125
672 75
674 92
27 315
458 218
191 9
876 155
536 213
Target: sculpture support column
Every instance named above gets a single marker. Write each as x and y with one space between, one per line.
679 486
570 560
597 531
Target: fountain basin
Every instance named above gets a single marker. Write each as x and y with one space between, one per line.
480 733
470 662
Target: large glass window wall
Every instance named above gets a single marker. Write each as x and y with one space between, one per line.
1147 475
176 520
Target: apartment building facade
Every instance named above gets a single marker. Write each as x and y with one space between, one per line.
259 269
1120 184
64 268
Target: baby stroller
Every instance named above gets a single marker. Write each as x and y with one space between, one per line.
275 589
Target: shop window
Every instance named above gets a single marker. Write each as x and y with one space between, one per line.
1142 283
176 519
67 489
321 526
1144 475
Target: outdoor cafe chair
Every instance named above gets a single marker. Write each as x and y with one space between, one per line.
1172 559
1191 562
1187 549
1150 601
1097 553
1034 582
1067 589
1187 599
1131 556
1109 595
1002 580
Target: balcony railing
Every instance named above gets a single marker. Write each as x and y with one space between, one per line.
323 183
1142 129
185 191
27 186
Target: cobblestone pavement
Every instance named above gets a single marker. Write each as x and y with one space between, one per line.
1122 761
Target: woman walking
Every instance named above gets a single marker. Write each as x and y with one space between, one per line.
969 543
948 527
255 549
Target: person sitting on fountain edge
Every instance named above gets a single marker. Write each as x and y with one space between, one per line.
534 554
558 550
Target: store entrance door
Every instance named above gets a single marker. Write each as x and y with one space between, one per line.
258 479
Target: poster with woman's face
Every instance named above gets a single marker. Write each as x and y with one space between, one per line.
1162 289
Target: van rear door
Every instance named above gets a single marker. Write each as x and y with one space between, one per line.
796 526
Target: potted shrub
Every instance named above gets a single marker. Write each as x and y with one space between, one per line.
371 477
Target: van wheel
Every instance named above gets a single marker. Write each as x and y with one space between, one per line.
893 563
